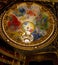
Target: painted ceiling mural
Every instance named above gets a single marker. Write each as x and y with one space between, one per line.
29 25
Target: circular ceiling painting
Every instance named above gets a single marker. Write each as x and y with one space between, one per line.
28 25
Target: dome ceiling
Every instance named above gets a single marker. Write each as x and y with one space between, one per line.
28 26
